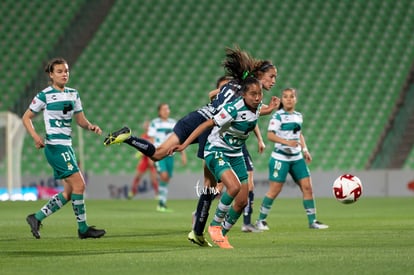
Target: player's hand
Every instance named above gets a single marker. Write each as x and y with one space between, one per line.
261 147
307 156
175 148
39 143
292 143
95 129
274 102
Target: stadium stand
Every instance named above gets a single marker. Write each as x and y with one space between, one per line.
26 38
348 60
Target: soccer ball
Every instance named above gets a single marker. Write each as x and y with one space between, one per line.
347 188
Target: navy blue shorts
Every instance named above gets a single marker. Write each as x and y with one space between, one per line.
247 158
185 126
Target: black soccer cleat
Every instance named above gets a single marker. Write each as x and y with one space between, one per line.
34 225
117 137
92 232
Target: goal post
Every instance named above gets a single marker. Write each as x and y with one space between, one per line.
12 135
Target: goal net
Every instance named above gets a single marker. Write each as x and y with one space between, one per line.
12 134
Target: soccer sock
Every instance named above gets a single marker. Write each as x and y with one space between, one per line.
162 193
135 184
203 207
248 210
53 205
231 219
310 209
222 209
79 209
265 207
142 145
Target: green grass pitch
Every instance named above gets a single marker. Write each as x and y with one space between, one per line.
372 236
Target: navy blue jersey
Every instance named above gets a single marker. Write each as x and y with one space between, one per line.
228 93
190 122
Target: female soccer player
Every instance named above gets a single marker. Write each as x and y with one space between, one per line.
223 153
159 130
285 131
59 105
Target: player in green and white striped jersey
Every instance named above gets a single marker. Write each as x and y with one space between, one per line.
159 130
59 104
285 131
58 109
224 157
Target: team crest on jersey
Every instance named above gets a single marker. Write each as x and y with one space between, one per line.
223 115
221 162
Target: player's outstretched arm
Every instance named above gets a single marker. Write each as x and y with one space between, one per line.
200 129
273 105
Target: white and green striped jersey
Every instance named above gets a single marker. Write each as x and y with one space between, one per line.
58 109
287 126
233 124
160 129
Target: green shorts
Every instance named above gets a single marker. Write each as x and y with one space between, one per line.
218 164
62 159
278 170
165 165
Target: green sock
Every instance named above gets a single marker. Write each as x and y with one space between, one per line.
222 209
265 207
53 205
78 205
230 220
162 193
310 209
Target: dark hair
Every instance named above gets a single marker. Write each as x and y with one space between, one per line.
51 64
265 66
239 64
289 89
160 106
223 78
249 81
262 67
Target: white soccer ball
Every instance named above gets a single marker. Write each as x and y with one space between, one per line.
347 188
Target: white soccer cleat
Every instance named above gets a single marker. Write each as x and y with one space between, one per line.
318 225
262 225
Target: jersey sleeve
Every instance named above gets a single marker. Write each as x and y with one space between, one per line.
227 114
38 103
152 131
78 104
274 123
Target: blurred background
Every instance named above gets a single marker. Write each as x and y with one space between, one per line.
351 62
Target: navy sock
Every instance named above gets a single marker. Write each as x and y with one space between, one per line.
142 145
203 207
248 210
